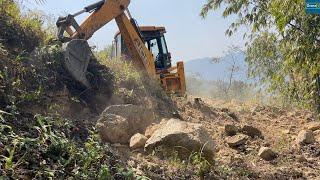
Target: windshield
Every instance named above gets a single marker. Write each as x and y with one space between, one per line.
164 45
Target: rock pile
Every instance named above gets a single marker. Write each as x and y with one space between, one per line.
118 123
136 126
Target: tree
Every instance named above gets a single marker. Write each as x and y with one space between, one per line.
233 68
283 45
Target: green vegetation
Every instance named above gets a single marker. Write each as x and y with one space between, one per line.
19 32
44 146
22 83
49 154
282 48
125 71
200 163
182 159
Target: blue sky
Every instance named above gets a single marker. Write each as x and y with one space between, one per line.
188 35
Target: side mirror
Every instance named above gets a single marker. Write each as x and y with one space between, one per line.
169 56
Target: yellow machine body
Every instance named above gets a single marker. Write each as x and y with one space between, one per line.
102 12
172 78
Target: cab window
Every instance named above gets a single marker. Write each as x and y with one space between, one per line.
164 45
118 46
154 48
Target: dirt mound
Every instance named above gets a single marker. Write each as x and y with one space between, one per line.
39 84
279 126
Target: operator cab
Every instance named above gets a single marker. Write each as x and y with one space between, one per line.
154 40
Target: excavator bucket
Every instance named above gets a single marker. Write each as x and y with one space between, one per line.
77 57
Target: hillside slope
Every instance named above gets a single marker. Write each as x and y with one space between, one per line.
209 70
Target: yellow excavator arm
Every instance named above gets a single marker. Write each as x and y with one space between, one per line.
108 11
102 12
136 48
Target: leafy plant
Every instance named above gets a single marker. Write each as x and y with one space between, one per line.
201 164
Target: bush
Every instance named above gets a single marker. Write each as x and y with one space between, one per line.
19 33
124 71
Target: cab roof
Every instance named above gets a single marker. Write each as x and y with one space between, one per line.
160 29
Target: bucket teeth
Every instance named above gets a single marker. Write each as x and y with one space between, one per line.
77 57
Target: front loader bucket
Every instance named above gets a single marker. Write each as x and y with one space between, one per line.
77 57
175 82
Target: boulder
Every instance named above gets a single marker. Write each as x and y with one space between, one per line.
114 129
176 133
118 123
251 131
305 137
267 154
138 117
153 127
138 141
236 141
313 126
230 129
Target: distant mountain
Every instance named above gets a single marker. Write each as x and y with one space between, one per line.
207 69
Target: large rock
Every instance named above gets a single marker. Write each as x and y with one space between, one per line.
251 131
137 141
153 127
117 124
236 141
114 129
313 126
305 137
267 153
176 133
139 117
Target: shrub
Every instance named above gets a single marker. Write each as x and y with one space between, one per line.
18 32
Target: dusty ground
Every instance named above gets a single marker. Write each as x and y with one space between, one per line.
279 127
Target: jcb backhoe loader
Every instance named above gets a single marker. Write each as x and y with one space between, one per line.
145 46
